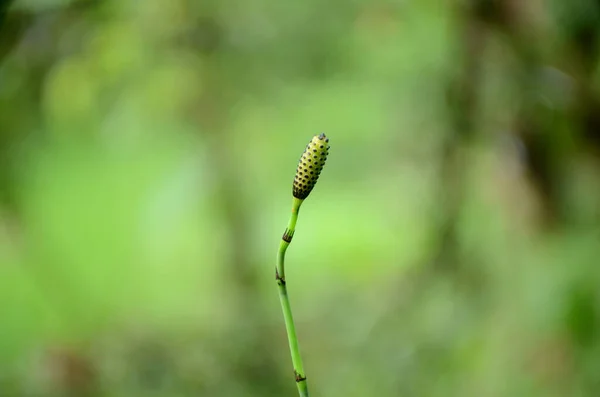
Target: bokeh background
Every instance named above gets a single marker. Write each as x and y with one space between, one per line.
147 151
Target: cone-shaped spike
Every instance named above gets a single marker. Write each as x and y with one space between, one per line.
310 165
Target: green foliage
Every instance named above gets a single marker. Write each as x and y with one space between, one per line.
146 151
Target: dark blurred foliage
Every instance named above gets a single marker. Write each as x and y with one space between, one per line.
147 152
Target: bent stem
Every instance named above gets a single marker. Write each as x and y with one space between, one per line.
285 301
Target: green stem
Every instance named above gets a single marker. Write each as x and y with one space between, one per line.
285 301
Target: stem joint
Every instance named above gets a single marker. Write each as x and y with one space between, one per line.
299 377
280 279
287 235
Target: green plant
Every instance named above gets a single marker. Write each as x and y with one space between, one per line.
309 167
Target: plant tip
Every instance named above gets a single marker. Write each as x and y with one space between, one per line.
307 174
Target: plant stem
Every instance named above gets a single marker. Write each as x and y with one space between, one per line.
285 301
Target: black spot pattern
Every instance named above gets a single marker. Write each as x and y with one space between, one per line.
318 150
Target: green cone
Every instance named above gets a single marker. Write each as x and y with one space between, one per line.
310 165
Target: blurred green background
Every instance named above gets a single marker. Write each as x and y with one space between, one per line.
147 151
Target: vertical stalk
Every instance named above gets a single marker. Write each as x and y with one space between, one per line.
285 300
309 167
